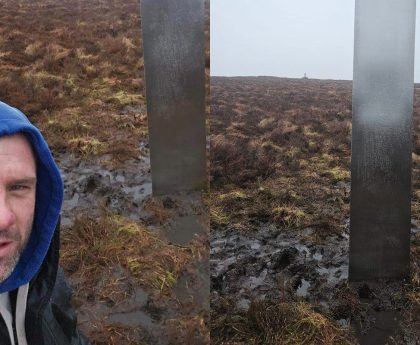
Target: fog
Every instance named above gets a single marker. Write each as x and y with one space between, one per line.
286 38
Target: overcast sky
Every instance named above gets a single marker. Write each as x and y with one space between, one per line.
286 38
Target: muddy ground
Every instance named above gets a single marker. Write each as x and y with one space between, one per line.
268 265
76 69
130 310
280 183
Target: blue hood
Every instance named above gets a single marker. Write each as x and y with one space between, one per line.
49 198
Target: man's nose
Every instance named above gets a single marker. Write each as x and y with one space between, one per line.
7 217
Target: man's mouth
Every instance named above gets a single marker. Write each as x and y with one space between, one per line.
5 246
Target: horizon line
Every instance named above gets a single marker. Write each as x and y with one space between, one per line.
275 76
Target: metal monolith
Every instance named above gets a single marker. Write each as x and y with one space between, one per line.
381 139
173 42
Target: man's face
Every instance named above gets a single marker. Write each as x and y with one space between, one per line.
17 199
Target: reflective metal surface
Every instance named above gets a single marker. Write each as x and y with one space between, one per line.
173 42
381 139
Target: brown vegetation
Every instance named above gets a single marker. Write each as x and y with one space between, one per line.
284 145
76 69
110 258
268 323
280 155
94 247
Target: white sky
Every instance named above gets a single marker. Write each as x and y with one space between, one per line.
286 38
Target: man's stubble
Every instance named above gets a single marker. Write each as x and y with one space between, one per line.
9 263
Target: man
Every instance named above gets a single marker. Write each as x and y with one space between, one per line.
34 296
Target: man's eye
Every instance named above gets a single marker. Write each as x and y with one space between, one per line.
18 187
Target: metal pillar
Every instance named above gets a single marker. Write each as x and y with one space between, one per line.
173 41
381 139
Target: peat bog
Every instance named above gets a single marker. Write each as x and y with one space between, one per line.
279 210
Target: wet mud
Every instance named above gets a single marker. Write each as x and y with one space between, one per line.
146 313
189 222
288 265
90 185
272 264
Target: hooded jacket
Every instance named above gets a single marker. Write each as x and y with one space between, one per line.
38 293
